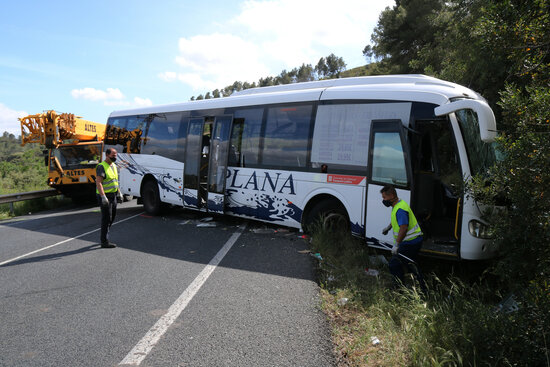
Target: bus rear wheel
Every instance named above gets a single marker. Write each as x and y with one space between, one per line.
329 215
151 198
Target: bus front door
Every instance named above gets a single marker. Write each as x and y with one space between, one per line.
388 164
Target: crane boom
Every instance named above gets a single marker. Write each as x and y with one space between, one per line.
52 129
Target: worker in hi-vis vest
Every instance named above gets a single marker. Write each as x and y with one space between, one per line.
107 194
407 237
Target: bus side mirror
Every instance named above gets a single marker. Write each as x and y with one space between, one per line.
485 115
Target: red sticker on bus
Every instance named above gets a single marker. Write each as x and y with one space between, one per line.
343 179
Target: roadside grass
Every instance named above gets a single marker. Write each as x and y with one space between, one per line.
33 206
456 324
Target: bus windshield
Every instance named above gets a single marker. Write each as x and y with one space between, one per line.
77 156
480 154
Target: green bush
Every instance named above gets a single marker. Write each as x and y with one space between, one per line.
459 322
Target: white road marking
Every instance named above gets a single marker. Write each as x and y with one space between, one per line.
62 242
146 344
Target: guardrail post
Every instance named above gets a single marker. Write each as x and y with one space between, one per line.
12 212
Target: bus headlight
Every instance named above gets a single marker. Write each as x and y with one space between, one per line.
480 230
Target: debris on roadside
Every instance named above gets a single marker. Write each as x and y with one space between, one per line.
317 256
372 272
304 251
374 340
342 301
207 225
378 260
508 305
262 230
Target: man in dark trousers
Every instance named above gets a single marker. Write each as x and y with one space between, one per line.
107 194
407 236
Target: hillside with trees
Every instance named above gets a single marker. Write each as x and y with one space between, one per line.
328 67
21 168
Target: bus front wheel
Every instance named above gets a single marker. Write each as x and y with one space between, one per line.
330 215
151 198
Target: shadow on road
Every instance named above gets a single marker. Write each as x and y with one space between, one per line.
182 235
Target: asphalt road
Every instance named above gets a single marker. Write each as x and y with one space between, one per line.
167 286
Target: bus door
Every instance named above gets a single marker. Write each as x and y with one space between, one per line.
205 167
388 163
217 166
192 166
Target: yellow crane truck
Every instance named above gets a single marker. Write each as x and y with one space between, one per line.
74 147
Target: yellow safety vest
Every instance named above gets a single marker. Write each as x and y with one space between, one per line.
110 182
414 229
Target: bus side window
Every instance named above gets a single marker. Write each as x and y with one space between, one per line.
235 146
245 138
388 159
287 136
162 135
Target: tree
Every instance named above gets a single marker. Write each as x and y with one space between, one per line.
321 69
521 31
304 73
335 65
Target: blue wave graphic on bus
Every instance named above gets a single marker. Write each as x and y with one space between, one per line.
190 198
264 207
127 162
165 182
357 229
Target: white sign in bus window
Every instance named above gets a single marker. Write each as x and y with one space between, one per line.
341 134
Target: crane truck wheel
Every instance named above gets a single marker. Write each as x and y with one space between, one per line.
151 197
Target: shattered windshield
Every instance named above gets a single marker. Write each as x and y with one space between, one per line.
77 156
481 155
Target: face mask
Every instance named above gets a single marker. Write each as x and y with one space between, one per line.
113 159
386 203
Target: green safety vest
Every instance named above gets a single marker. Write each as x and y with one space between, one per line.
110 182
414 229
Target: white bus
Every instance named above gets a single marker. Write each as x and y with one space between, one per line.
289 154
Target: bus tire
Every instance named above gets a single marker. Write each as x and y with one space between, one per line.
151 198
329 214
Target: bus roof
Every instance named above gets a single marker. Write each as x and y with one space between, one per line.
420 88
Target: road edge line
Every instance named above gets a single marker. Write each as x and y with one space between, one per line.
62 242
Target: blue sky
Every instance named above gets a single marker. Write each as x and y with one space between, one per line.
93 57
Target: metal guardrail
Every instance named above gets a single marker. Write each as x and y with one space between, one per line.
21 196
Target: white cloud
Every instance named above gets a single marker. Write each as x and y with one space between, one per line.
213 61
168 76
93 94
268 36
299 31
110 97
142 102
9 120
